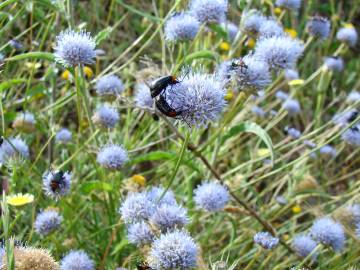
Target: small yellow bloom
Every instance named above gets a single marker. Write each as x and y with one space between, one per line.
224 46
139 179
250 43
296 209
292 32
66 75
296 82
229 95
20 199
88 72
348 25
263 152
286 237
30 65
277 11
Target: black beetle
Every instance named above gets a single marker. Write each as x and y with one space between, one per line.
165 108
160 85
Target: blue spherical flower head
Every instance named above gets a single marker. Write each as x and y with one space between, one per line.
319 27
56 184
327 151
251 21
266 240
155 193
346 117
292 106
231 29
328 232
140 233
181 27
279 52
199 97
270 28
352 136
304 245
293 133
169 217
106 117
211 196
353 97
335 64
174 250
13 149
347 35
291 74
289 4
77 260
281 95
258 111
63 136
136 207
209 11
251 74
74 48
47 221
143 97
112 156
109 87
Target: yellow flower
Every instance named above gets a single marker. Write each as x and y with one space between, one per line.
286 237
139 179
296 209
66 75
296 82
250 43
224 46
88 72
30 65
20 199
229 95
292 32
348 25
277 11
263 152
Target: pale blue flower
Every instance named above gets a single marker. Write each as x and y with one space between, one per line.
271 28
109 86
74 48
353 97
155 193
279 52
77 260
347 35
328 232
174 250
352 136
293 133
112 156
281 95
304 245
231 29
63 136
258 111
169 217
181 26
140 233
56 184
289 4
251 21
211 196
143 97
328 151
266 240
13 148
334 63
106 117
319 27
47 221
209 11
291 74
136 207
292 106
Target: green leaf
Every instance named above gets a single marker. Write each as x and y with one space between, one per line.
103 34
123 243
153 156
252 128
205 54
88 187
32 55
